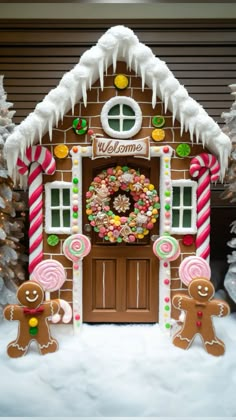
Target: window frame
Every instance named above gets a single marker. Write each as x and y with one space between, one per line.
49 186
181 230
121 100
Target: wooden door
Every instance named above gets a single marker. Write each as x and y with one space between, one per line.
120 281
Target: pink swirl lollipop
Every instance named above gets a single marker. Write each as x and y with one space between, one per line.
76 247
50 274
192 268
166 248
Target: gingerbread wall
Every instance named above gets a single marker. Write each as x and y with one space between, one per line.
64 133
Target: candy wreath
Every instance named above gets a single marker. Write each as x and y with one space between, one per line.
117 227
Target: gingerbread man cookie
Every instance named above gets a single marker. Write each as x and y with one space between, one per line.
199 307
32 314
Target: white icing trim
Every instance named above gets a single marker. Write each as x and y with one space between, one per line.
193 185
118 43
60 185
121 100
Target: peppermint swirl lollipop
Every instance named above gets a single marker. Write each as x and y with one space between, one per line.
50 274
76 247
166 248
192 268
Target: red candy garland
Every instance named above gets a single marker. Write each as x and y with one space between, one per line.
118 228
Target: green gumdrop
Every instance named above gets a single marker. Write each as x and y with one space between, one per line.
90 217
119 239
112 178
75 180
75 215
136 211
75 190
106 237
96 229
110 213
125 168
167 325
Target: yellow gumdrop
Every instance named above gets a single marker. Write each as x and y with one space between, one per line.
116 217
146 232
33 322
117 222
88 211
145 189
153 220
140 236
109 234
154 211
151 187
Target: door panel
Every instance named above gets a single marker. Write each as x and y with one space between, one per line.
120 280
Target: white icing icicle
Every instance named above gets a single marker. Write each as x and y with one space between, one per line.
118 43
177 97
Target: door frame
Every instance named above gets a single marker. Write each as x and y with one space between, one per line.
165 195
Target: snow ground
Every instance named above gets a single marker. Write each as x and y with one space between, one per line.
119 371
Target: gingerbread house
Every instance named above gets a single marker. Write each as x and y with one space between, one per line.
118 153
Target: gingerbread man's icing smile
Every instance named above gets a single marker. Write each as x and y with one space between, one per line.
29 299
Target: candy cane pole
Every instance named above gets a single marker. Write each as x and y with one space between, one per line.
36 160
166 249
205 167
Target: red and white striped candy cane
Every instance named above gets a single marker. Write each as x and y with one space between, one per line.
205 167
36 160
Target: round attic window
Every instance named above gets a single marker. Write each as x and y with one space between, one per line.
121 117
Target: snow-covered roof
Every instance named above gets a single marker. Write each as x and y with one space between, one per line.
119 43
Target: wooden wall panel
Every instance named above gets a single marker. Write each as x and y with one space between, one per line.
34 56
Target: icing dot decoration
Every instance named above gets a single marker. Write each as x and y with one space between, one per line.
33 330
166 248
33 322
52 240
188 240
158 134
124 227
80 126
61 151
158 121
121 81
183 150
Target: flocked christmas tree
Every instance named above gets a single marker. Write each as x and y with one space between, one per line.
12 257
230 194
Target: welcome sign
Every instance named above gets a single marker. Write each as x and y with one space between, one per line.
103 148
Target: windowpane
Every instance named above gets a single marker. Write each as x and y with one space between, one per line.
66 218
128 111
187 196
115 110
128 124
66 197
55 218
114 124
176 196
187 218
55 201
175 218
